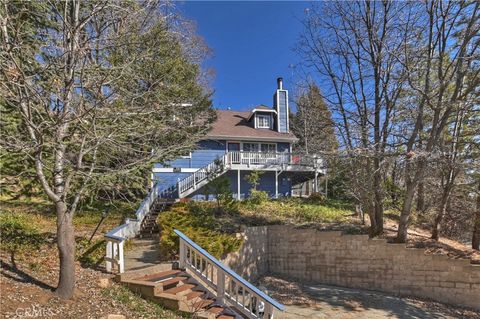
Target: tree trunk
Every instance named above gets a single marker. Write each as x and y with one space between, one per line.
405 215
66 250
440 213
476 224
420 197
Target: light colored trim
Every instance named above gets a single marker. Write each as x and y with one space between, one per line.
170 170
276 184
259 110
252 138
257 121
238 184
287 108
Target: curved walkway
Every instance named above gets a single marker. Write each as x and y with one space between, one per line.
321 301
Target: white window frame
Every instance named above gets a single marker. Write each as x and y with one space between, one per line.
189 156
268 120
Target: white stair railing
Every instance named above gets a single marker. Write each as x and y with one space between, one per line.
116 237
229 287
194 180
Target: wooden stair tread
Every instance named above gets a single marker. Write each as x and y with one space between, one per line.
172 281
225 317
194 294
202 303
215 310
179 289
159 275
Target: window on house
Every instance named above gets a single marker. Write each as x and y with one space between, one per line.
268 148
263 121
250 147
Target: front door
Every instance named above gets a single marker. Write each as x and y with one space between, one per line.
234 151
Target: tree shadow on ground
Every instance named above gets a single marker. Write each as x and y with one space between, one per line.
21 276
322 301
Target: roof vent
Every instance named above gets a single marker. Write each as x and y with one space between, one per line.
280 83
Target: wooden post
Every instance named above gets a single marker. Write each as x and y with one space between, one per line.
276 184
238 184
181 262
220 286
109 255
121 262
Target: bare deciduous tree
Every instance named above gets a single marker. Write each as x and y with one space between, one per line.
96 86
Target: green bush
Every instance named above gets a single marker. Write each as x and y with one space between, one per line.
317 198
18 235
258 197
197 221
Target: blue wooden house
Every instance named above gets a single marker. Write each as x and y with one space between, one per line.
237 144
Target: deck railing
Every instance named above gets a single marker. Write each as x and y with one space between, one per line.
229 287
271 158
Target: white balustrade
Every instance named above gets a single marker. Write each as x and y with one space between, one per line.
229 287
116 237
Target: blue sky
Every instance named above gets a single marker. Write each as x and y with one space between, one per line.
252 45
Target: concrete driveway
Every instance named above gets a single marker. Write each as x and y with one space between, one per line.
320 301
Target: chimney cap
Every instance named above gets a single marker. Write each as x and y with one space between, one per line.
280 83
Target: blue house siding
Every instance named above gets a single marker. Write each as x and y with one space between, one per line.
207 152
266 183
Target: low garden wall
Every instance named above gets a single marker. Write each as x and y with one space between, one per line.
358 262
251 261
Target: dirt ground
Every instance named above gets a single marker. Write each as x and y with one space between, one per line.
304 300
420 238
28 293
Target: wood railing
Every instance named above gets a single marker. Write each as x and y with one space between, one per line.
116 237
229 287
211 170
267 158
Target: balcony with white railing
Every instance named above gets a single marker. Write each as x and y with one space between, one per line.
228 286
265 160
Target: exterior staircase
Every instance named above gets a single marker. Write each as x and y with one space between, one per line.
149 227
203 176
177 290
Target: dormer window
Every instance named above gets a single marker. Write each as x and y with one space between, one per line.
262 117
264 121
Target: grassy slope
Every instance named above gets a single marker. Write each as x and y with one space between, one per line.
217 231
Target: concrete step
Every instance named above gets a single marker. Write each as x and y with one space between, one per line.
144 242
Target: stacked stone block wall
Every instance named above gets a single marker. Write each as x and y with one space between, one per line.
355 261
359 262
251 261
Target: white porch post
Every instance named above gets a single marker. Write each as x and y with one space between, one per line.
315 186
238 184
109 255
276 184
121 264
151 180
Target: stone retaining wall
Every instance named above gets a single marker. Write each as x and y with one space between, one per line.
358 262
251 261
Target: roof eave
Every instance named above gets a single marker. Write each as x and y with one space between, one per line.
253 138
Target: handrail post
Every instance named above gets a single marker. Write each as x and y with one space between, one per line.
183 255
220 285
121 261
109 255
